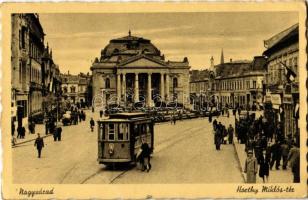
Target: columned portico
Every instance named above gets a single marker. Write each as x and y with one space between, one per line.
136 90
167 86
124 86
141 73
149 90
118 87
162 87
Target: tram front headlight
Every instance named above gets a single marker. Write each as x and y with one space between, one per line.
111 149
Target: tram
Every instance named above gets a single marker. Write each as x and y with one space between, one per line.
120 137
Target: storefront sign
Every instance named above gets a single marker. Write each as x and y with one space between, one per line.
275 98
267 98
287 98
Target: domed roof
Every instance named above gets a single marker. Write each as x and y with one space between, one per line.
129 46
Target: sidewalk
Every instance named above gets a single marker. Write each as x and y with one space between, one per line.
275 176
40 128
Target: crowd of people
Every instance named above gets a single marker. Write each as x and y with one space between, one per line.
265 145
222 135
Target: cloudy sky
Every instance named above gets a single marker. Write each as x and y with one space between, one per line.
76 39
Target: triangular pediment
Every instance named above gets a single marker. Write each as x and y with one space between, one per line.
143 62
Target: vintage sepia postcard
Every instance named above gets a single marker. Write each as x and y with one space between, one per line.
154 100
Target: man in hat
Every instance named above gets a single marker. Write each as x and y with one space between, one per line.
251 167
39 143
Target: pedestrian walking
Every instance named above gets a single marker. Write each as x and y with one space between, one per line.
264 161
59 133
230 134
39 143
251 168
55 134
214 124
46 127
80 116
92 124
218 137
294 159
19 130
174 120
276 155
145 156
285 153
210 117
23 132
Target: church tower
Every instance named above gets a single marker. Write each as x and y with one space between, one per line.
222 57
212 64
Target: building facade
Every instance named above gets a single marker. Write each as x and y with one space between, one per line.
240 83
27 48
29 75
232 84
131 69
282 92
75 88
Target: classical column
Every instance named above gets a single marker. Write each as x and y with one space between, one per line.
149 95
167 86
162 87
118 87
124 86
136 91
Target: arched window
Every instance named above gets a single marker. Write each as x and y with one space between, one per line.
175 82
73 89
107 83
115 51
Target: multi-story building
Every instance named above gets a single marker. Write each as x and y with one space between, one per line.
33 69
51 82
27 47
75 88
283 93
131 69
234 83
240 83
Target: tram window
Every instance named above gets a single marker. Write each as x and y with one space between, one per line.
148 128
136 131
111 132
122 133
143 129
102 133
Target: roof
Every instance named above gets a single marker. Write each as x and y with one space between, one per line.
258 63
132 59
232 68
129 45
199 75
281 40
278 37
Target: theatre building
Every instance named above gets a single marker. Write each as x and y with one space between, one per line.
131 69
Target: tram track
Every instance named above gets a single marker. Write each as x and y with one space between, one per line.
189 132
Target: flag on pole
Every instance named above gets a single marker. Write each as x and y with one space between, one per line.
289 73
296 111
51 85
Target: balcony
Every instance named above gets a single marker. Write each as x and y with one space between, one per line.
35 86
24 54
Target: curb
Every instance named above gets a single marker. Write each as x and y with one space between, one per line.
239 161
16 145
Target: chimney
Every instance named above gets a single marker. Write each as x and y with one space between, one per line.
230 60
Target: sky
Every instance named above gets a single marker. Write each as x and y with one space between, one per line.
76 39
